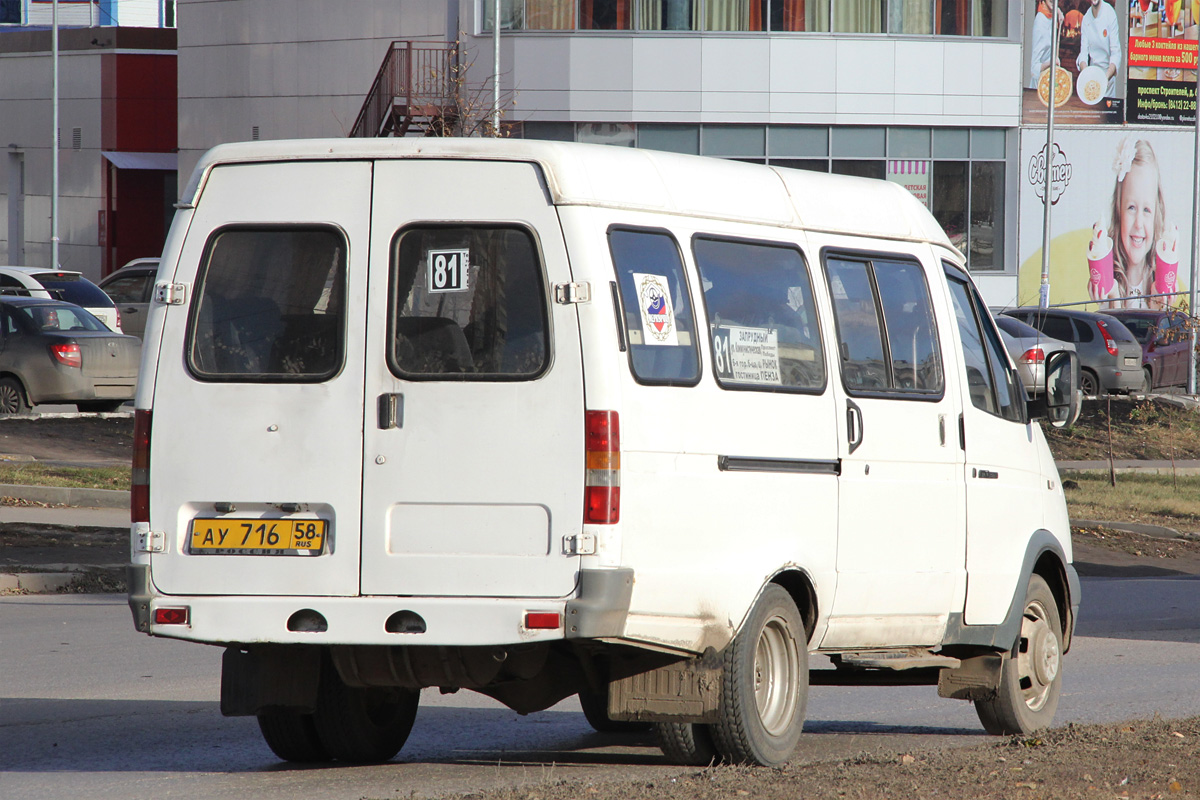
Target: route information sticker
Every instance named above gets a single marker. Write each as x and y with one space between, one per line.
747 355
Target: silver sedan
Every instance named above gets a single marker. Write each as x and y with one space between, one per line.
1029 349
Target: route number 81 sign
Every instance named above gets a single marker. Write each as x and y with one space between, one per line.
447 270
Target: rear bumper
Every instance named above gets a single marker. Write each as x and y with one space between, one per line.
599 610
1116 379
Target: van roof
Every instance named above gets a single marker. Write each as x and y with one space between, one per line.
644 180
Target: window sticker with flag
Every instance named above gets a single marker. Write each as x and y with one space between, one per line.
658 315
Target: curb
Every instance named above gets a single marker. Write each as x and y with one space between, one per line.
1153 531
64 496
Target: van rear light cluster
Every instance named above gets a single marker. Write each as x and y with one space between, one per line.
172 615
542 620
1034 355
139 495
1110 344
602 485
67 354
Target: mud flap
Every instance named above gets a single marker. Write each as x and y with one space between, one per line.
284 676
686 691
976 678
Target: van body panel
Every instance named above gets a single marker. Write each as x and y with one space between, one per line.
258 443
479 487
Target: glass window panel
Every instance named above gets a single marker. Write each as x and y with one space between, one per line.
672 138
659 324
811 164
666 15
270 306
10 12
512 15
951 142
467 303
950 200
911 331
861 169
986 246
734 140
129 288
789 140
618 134
989 18
799 15
735 15
980 386
908 142
762 321
549 131
910 16
605 15
859 142
549 15
860 341
987 143
858 16
953 17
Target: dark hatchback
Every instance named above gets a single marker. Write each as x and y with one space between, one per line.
1110 359
55 352
1165 338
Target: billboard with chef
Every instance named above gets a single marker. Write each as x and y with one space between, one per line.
1086 81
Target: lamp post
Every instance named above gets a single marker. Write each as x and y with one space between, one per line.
495 67
1191 384
54 139
1044 288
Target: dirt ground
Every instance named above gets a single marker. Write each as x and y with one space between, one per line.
89 441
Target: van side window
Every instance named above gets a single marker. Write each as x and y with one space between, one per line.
761 317
887 336
269 306
467 303
991 384
659 324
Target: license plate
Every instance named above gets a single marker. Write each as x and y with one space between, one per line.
258 537
1130 361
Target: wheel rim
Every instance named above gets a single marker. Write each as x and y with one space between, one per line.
1087 384
1038 656
776 672
10 399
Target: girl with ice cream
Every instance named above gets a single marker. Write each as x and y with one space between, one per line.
1122 261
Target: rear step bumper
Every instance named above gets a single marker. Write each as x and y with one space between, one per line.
599 610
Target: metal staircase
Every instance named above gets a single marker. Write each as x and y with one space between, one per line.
414 93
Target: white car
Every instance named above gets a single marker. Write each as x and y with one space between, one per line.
59 284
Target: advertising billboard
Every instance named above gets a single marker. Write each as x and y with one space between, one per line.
1162 61
1088 83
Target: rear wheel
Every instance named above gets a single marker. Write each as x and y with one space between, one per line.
363 726
765 686
595 708
291 735
12 397
100 406
686 743
1031 677
1147 380
1088 384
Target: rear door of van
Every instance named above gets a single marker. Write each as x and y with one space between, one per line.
258 401
473 460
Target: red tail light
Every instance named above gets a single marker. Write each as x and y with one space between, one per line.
602 485
1033 355
1110 344
139 496
67 354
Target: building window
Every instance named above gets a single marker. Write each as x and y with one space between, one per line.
667 15
858 16
10 12
605 15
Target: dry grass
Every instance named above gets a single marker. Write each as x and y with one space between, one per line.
34 474
1148 498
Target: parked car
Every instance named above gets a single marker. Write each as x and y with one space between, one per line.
1165 339
65 285
56 352
1110 359
1029 348
131 288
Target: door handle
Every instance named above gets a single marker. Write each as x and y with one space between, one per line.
391 411
854 425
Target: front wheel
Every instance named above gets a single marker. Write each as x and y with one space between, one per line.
765 686
1031 676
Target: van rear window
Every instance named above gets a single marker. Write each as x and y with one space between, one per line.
467 303
761 317
269 306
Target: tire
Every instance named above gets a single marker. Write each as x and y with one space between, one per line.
362 726
764 688
687 744
12 397
292 735
1031 676
1088 383
1147 380
100 406
595 708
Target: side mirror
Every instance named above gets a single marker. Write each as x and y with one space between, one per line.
1060 401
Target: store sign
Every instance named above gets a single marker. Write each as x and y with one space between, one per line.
1060 174
912 175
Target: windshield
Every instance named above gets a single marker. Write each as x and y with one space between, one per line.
72 288
60 318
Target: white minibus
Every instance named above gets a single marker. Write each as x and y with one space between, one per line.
677 435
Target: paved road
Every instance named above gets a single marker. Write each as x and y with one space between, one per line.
89 708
